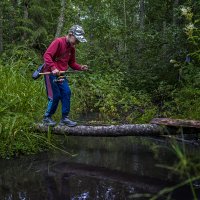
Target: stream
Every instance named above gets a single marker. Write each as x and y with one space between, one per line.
96 169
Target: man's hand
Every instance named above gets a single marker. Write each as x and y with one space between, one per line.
56 72
84 67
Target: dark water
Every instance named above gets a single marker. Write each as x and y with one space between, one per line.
100 168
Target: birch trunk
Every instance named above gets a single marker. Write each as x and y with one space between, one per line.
61 18
125 28
142 14
1 31
25 18
176 2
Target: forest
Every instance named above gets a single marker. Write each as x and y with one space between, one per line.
143 57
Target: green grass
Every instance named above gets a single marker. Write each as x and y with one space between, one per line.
21 104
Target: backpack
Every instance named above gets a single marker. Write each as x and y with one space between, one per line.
36 73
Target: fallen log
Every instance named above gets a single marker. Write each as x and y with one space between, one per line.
157 126
105 131
176 122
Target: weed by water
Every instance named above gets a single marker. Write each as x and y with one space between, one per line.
186 168
21 104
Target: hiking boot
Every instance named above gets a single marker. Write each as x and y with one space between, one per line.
66 121
48 121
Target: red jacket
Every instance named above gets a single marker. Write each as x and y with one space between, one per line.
59 55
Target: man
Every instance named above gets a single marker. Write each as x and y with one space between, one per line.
57 57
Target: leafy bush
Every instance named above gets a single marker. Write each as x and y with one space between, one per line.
107 95
187 103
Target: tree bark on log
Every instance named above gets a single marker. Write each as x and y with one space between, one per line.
176 122
105 131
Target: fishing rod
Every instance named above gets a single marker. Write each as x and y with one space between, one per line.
36 74
64 72
60 72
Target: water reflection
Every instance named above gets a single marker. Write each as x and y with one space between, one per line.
73 187
107 169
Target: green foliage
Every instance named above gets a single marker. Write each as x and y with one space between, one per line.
185 96
107 95
20 106
187 103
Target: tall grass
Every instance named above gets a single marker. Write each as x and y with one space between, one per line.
185 172
21 104
186 167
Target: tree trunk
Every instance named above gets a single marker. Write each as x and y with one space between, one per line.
25 18
1 31
141 14
125 28
157 127
176 2
106 131
61 18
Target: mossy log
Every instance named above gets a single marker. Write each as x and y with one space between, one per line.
106 131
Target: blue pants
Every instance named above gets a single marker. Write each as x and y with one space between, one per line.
57 91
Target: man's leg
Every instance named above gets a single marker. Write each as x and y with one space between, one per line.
65 99
53 93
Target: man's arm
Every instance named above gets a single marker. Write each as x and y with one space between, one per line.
73 64
50 54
